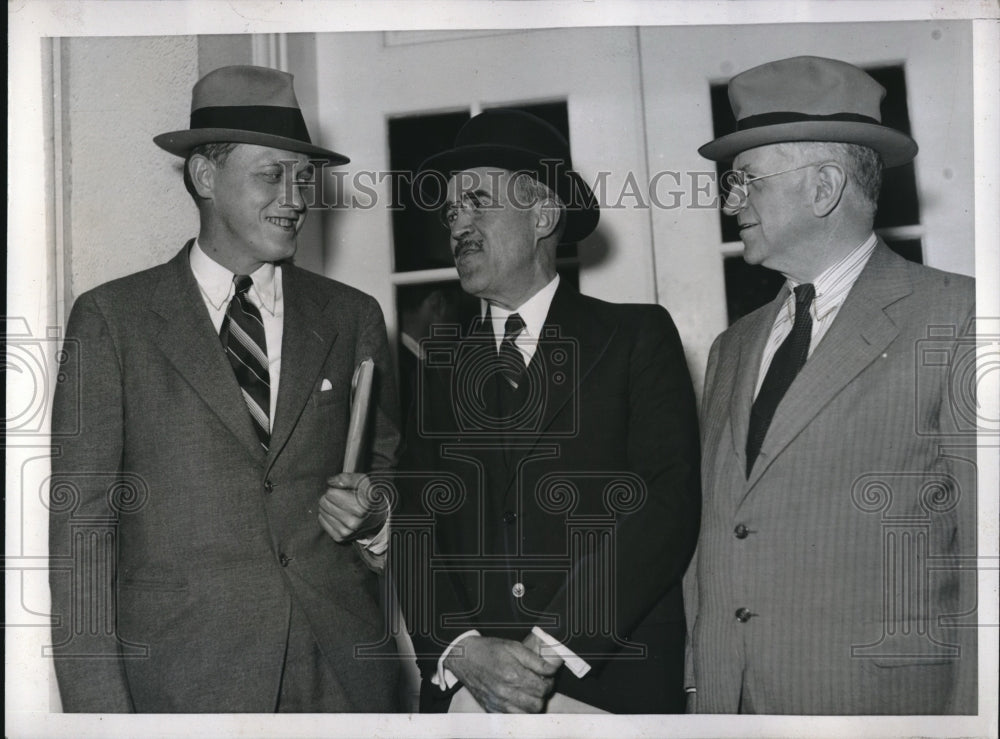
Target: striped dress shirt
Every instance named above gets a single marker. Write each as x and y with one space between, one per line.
832 288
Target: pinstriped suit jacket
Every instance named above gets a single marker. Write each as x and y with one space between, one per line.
858 508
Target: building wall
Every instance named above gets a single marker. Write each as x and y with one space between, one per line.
124 205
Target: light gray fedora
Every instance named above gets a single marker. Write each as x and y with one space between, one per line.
246 105
809 98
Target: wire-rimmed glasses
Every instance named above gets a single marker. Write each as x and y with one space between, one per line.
734 187
472 203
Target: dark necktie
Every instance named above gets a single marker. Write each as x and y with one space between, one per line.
510 358
242 335
785 365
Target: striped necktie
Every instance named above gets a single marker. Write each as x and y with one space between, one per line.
242 335
785 365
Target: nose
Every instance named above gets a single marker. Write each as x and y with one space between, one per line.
734 201
461 224
291 196
297 202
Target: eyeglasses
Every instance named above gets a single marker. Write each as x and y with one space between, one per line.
472 203
735 186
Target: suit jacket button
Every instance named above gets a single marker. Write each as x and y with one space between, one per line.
268 486
509 517
741 532
743 615
517 590
284 559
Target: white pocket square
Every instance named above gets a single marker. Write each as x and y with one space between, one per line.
325 385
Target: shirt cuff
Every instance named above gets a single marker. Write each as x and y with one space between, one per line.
576 665
379 543
445 678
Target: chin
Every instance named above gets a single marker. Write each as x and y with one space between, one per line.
467 285
284 250
752 254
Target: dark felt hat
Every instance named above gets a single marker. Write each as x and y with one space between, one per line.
246 105
809 98
520 142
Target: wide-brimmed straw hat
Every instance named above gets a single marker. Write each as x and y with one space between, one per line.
246 105
518 142
809 98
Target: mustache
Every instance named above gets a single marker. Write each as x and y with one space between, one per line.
466 243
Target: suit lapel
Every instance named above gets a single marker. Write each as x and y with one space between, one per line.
189 341
308 334
751 350
582 340
859 334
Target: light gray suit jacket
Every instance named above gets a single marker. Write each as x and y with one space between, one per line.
857 514
179 546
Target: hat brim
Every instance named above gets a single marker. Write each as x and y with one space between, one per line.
582 211
895 147
180 143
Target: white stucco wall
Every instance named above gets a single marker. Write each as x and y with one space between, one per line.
124 202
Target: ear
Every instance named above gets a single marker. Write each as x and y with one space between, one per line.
830 183
202 172
547 214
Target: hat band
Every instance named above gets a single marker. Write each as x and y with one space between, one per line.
775 119
267 119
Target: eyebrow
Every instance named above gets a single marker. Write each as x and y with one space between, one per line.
479 194
307 169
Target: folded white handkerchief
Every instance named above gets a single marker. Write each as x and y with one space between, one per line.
325 385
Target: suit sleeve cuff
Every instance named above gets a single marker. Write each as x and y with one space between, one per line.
445 678
575 664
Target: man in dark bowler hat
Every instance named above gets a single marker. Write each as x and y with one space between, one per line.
552 458
208 400
832 571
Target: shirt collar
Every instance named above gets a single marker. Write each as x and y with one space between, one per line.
533 311
836 281
216 282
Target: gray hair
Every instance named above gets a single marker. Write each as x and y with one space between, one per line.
863 165
528 190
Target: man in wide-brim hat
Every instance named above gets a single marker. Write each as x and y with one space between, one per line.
823 422
217 387
569 426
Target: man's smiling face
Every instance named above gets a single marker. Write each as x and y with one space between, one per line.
492 236
257 208
777 218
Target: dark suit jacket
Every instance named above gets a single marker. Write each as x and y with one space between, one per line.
584 527
179 547
856 514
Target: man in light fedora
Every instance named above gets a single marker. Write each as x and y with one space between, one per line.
838 470
553 454
205 410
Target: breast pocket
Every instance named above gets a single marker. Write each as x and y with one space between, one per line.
326 396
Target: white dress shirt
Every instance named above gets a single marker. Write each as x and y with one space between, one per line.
832 289
533 312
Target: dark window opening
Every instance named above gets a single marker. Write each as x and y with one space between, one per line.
419 239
